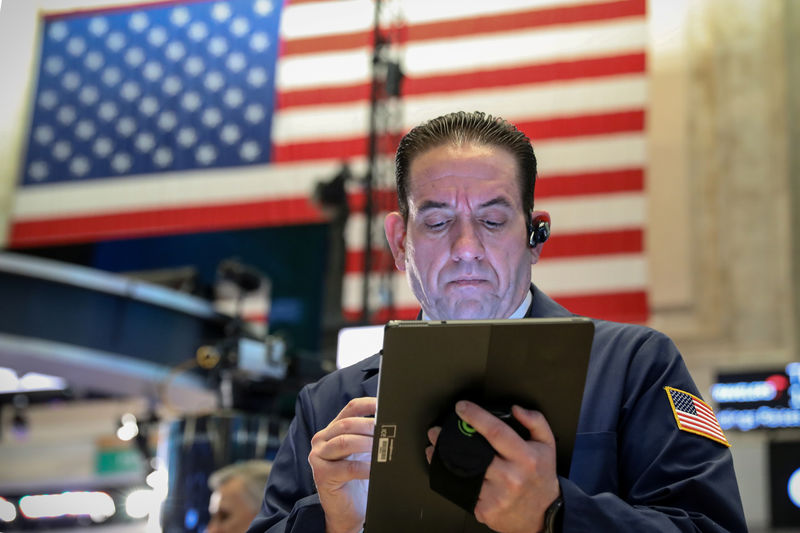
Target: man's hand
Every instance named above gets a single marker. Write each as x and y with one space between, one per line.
521 482
340 458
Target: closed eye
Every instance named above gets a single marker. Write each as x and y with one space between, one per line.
436 225
493 224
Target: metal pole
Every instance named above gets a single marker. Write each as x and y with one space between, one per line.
377 44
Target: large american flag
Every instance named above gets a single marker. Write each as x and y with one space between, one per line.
160 118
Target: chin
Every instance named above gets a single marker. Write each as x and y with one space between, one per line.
469 311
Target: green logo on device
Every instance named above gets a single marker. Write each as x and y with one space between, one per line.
465 428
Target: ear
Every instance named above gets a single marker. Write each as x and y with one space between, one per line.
395 228
536 251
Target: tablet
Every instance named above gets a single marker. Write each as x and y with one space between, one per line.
426 366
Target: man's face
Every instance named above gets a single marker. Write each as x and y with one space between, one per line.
230 510
464 248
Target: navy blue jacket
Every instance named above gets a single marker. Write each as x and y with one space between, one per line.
632 469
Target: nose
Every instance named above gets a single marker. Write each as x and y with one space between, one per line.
467 244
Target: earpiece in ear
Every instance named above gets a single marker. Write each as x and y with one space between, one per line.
538 230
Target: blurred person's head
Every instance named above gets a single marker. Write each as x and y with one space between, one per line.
238 490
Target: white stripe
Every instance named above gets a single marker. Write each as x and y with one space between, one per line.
350 16
575 214
590 154
563 277
601 212
525 47
323 69
468 54
326 18
523 103
592 274
178 189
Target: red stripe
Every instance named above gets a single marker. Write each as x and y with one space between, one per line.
309 151
145 223
619 307
525 75
382 200
478 25
597 243
327 43
382 261
527 19
610 181
482 79
383 315
295 2
72 13
598 124
538 130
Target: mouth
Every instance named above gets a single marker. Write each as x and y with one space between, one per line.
467 282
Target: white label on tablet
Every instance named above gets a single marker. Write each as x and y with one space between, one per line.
386 443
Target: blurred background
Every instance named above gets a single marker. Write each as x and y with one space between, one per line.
192 196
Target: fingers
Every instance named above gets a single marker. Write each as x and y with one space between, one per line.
500 435
343 446
365 406
339 472
534 422
433 436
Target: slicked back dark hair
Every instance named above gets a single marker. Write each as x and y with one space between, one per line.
460 129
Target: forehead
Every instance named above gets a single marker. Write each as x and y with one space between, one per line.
478 169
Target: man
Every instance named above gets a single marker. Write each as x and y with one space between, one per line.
236 497
465 189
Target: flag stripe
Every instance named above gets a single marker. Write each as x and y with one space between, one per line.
586 125
147 223
622 180
539 73
473 25
487 78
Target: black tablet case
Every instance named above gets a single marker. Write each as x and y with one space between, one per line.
427 366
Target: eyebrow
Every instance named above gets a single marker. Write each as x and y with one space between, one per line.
429 205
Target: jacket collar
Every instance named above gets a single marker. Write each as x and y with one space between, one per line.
542 306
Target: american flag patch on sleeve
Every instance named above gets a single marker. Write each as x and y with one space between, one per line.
694 415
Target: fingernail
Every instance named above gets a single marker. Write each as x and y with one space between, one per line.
461 407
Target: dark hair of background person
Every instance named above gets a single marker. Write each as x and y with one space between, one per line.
461 128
